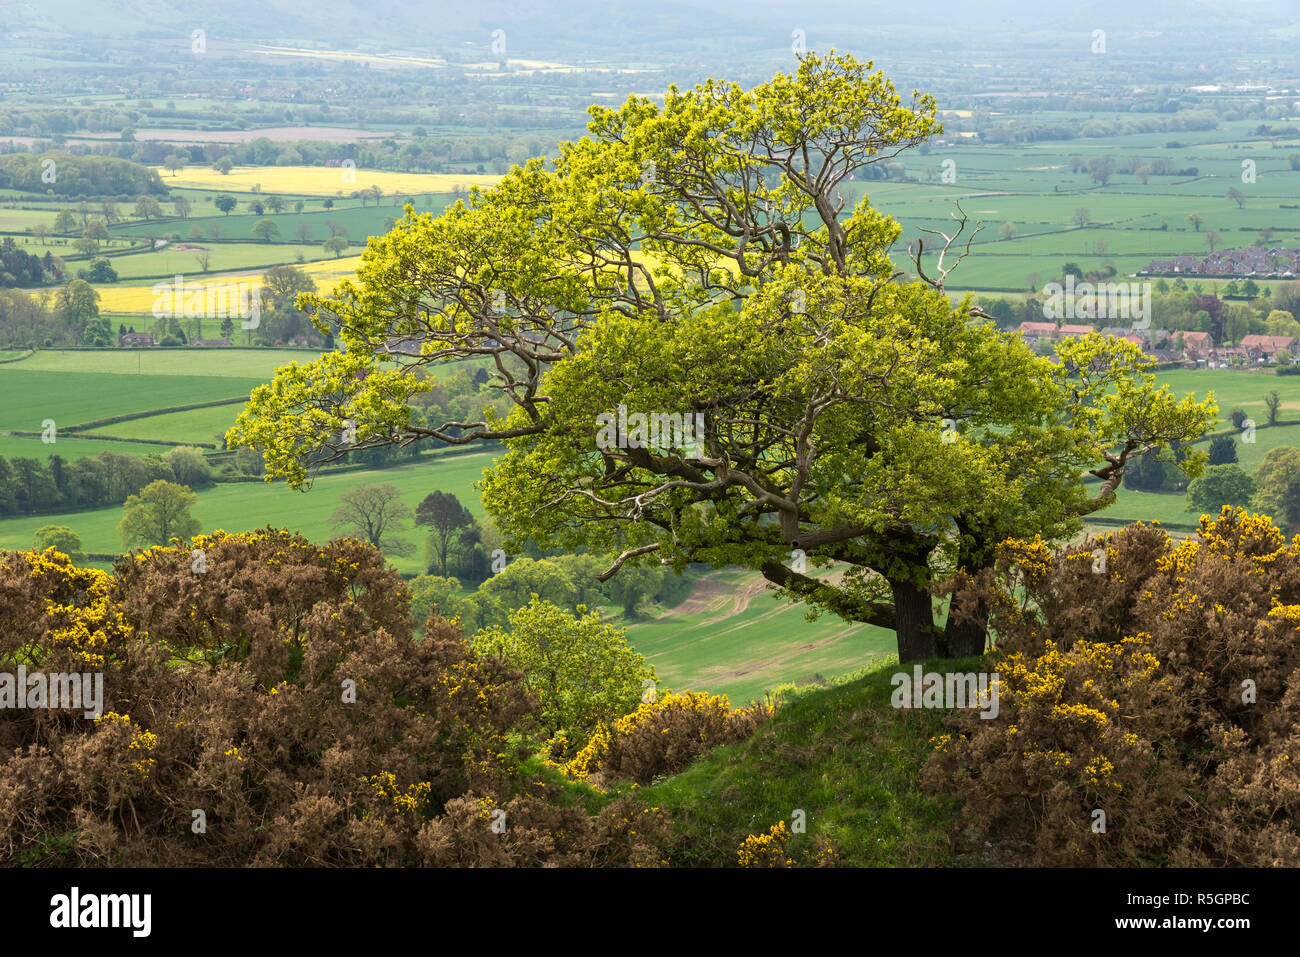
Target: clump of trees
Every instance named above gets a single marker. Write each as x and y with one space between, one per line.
32 486
78 175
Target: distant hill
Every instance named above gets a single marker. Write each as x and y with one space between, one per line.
641 24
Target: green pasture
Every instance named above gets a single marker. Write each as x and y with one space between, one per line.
259 364
192 425
27 397
239 506
732 636
222 257
70 447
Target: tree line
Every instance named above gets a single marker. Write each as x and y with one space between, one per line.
32 486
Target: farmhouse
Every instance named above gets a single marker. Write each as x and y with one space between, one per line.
136 340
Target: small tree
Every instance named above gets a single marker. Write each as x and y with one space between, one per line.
266 230
225 202
335 245
375 513
146 207
1223 450
158 514
189 465
1195 221
583 672
445 516
101 270
1272 402
60 538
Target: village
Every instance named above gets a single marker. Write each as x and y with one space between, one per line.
1174 350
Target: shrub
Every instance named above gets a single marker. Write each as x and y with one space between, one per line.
1238 416
1162 690
274 685
663 737
772 850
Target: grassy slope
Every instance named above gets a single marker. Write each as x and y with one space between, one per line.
843 756
733 637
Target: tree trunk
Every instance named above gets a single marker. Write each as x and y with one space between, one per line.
966 638
914 622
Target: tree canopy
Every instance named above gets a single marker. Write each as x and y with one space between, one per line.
699 261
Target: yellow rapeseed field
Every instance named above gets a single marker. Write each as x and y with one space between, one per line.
320 180
138 299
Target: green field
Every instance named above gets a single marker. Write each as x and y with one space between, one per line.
732 636
28 397
193 425
223 257
236 363
238 506
70 447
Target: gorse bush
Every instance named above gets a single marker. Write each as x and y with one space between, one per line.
274 686
772 850
1149 702
663 737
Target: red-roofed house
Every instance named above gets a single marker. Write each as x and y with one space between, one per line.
1036 330
1268 345
1076 330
